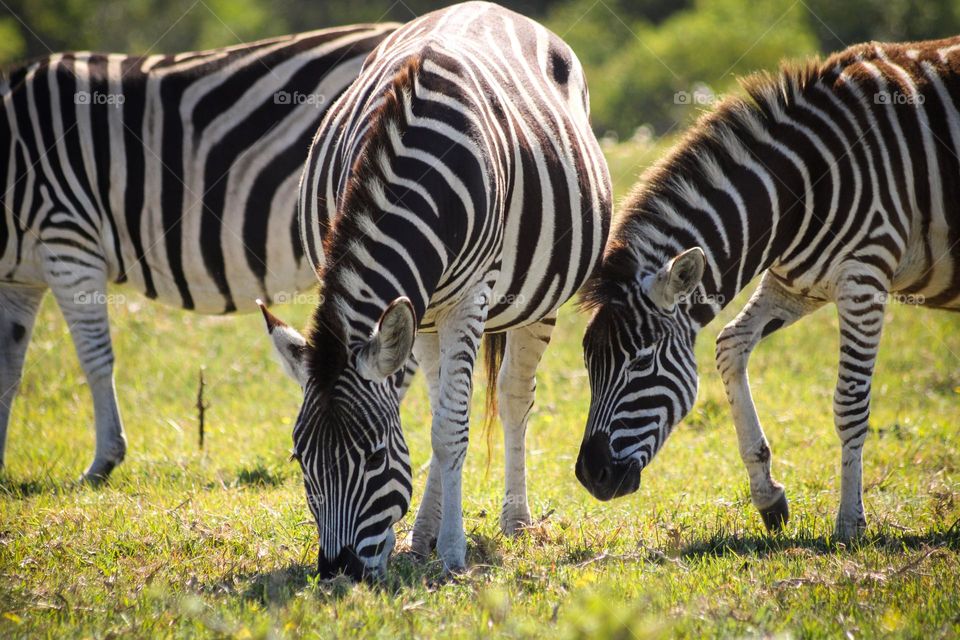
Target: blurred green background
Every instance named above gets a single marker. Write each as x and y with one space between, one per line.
651 64
218 542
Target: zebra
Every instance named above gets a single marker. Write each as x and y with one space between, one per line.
456 188
833 180
174 174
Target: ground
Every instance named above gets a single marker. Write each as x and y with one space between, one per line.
218 542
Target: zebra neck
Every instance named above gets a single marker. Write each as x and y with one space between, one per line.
732 190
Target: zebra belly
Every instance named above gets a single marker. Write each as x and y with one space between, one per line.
291 286
185 266
929 274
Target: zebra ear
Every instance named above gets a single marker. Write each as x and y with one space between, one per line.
391 342
289 347
679 277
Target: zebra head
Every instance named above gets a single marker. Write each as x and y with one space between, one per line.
638 350
348 441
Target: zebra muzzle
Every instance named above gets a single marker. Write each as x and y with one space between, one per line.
603 476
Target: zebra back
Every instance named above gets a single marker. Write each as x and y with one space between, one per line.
178 172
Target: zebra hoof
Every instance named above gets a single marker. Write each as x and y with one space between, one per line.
850 529
513 525
423 548
776 516
98 473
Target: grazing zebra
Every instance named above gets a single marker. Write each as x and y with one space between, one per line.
455 188
839 181
175 174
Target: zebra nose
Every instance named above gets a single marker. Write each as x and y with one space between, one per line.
604 477
347 562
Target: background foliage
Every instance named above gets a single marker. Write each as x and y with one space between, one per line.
638 53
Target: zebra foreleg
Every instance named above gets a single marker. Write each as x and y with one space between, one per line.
860 304
771 307
459 335
516 387
18 311
427 525
82 297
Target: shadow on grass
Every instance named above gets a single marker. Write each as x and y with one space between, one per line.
22 488
10 488
260 475
405 571
761 546
277 586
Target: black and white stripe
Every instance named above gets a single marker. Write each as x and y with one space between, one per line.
840 182
175 174
455 189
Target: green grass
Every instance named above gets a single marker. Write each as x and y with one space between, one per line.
219 542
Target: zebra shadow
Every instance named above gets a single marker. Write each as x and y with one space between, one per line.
762 545
278 586
256 476
22 488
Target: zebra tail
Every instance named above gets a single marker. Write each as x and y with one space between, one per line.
494 346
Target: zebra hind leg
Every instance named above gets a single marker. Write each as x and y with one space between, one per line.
81 293
770 308
427 525
860 304
516 387
18 311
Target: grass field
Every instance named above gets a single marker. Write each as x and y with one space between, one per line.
219 542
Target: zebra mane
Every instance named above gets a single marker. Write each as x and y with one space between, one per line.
644 236
8 70
330 330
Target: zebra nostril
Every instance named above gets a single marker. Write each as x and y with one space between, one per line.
595 466
602 475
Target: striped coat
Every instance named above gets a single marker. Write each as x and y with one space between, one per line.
455 189
174 174
838 181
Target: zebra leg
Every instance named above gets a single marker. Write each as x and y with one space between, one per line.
424 537
459 333
516 387
860 304
771 307
18 311
81 296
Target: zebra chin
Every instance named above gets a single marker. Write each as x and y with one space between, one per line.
603 476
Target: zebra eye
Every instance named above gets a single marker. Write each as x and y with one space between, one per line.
377 458
642 361
295 456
